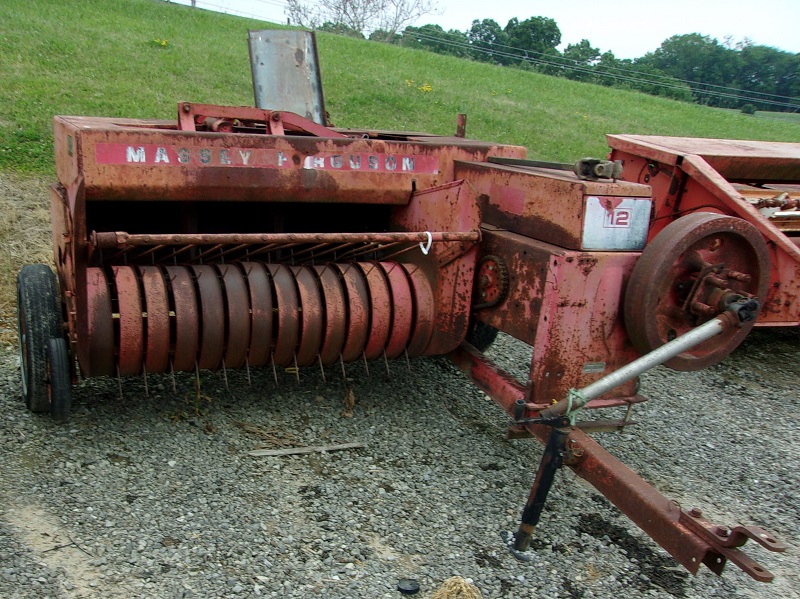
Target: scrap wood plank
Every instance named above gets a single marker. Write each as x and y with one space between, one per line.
301 450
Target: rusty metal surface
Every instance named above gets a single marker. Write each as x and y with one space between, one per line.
402 307
157 323
286 72
357 302
565 304
380 309
543 204
120 239
131 325
685 276
237 315
449 267
187 333
335 315
287 308
246 167
424 311
312 315
99 359
260 288
212 316
739 160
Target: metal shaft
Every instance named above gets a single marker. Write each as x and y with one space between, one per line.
658 356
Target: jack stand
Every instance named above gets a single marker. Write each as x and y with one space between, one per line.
552 460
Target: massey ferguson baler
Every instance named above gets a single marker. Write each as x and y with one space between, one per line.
237 237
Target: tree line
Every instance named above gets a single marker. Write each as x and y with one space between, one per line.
691 67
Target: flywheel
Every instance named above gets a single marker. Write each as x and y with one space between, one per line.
686 276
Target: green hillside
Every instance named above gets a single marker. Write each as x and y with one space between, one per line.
138 58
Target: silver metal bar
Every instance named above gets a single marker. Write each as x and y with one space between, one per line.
658 356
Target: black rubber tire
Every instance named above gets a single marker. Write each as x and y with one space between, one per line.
59 379
38 321
481 335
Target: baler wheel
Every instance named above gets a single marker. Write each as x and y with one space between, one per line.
38 321
685 276
59 379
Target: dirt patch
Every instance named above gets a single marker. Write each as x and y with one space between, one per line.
24 238
51 543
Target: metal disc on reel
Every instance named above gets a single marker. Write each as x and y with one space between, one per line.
237 315
100 325
311 315
402 309
335 315
288 310
686 276
212 316
131 324
260 287
380 302
156 351
186 318
424 310
358 311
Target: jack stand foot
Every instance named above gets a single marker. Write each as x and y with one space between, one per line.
508 540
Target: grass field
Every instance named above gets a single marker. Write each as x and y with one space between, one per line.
138 58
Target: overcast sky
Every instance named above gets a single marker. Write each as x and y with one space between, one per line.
629 28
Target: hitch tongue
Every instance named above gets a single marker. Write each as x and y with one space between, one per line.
559 416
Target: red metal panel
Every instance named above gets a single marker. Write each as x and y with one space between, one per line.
161 163
544 204
567 306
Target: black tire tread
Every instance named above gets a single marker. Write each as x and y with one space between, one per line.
59 379
39 305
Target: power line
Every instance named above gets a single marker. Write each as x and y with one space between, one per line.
668 83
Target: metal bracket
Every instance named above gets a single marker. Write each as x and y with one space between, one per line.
724 542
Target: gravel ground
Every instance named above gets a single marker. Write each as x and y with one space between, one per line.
157 496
